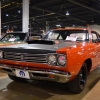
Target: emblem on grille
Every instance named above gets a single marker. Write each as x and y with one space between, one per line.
22 57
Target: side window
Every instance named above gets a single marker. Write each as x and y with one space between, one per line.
94 36
60 37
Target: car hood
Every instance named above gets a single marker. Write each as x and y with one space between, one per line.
55 46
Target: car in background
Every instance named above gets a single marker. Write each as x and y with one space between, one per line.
65 55
18 38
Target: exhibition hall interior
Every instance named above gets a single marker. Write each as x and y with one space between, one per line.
49 49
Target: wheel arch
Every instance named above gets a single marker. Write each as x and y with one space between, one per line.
89 64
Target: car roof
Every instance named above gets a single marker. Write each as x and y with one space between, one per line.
25 32
70 29
16 32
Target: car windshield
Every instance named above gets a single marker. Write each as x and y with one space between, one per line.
68 35
35 36
13 37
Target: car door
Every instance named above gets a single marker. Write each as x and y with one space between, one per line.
96 48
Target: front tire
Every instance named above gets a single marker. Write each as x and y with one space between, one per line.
77 85
14 78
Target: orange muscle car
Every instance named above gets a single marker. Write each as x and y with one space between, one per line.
64 55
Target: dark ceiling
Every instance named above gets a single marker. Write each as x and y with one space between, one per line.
81 12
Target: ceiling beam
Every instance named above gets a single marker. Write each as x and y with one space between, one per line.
84 6
44 2
57 13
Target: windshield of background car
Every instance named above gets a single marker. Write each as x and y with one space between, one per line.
35 37
13 37
70 35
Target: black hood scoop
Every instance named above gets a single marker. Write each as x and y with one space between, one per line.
48 42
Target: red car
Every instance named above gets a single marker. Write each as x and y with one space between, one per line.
65 55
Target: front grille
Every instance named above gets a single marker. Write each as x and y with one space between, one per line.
38 58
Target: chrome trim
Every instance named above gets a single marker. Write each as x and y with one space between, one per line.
58 76
38 58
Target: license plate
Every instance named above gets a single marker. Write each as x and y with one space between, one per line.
22 73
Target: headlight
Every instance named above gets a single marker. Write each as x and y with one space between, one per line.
52 59
61 60
1 54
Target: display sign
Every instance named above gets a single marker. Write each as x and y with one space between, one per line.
71 38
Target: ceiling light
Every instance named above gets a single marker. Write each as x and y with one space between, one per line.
19 11
5 26
7 15
67 13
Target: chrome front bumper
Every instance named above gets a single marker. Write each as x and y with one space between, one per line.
50 75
